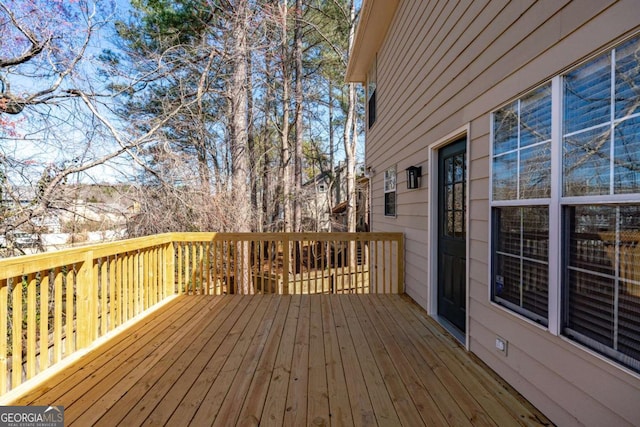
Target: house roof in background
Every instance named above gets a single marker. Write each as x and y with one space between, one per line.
340 208
375 20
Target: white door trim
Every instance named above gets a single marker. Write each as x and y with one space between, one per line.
432 233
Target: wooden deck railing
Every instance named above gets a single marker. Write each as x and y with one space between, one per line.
54 304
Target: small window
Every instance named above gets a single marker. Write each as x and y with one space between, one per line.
371 93
322 188
390 192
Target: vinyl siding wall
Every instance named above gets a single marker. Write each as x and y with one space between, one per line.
445 65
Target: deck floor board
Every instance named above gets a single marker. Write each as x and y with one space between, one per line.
283 360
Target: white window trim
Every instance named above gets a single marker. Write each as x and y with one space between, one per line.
554 313
553 287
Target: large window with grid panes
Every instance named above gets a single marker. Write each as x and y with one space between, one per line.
565 178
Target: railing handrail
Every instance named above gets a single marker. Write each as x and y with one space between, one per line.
21 264
24 264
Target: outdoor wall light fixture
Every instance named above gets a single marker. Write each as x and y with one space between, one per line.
414 173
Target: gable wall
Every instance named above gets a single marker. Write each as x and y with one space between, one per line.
445 65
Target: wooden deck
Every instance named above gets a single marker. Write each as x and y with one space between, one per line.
283 360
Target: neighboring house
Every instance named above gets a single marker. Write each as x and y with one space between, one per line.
80 213
317 202
523 236
324 202
339 219
22 197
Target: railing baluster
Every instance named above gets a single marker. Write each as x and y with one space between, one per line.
194 268
144 271
228 263
122 298
400 264
187 268
104 292
216 269
207 271
57 314
240 266
384 267
200 268
150 291
69 329
285 267
253 249
44 320
16 345
139 257
181 286
31 325
111 281
155 275
271 285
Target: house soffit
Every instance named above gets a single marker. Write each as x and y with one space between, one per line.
375 20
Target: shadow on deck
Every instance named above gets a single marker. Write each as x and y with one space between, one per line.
283 360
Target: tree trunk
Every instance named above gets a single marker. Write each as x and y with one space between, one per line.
298 119
350 142
351 138
331 146
251 145
241 189
287 161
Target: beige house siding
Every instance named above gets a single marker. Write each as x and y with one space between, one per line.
444 66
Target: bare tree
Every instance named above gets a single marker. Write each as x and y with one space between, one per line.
351 134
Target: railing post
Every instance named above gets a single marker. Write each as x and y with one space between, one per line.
86 304
4 332
286 254
169 269
400 262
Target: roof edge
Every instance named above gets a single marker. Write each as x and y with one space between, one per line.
375 20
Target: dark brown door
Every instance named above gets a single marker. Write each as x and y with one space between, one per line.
452 233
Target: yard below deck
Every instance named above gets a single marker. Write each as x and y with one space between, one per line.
283 360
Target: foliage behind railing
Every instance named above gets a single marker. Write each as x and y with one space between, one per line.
53 304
